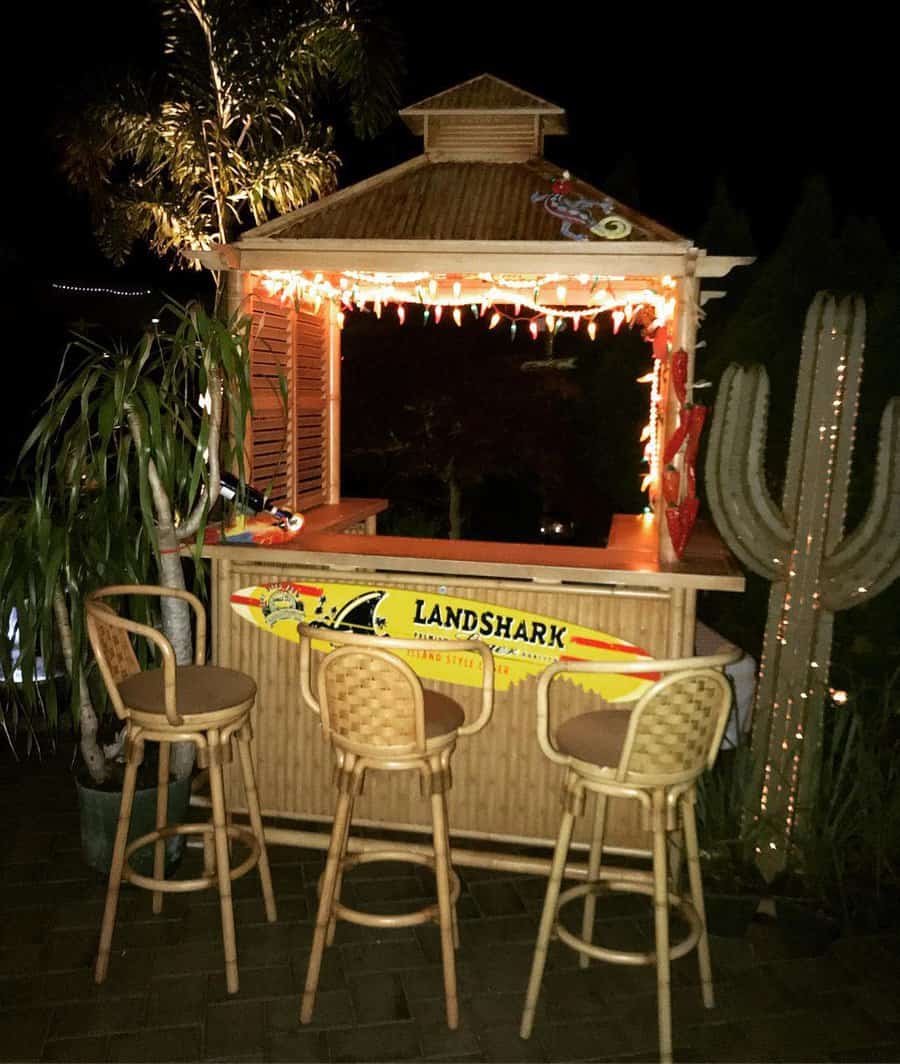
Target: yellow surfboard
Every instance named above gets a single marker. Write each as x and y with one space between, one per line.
523 644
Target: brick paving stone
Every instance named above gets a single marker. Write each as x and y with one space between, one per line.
501 1042
130 972
711 1042
465 1058
291 910
178 1000
422 986
382 956
497 897
333 1008
74 949
234 1029
76 1050
205 956
490 1009
300 1046
349 932
263 945
255 984
380 1042
438 1041
378 997
16 960
584 1039
98 1017
784 989
22 1033
884 1054
880 1000
160 1043
331 973
30 927
827 1025
398 888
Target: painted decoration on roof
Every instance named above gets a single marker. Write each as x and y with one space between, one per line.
523 644
579 219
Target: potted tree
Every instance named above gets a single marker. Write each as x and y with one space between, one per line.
123 468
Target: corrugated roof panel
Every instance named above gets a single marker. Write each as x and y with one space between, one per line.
473 201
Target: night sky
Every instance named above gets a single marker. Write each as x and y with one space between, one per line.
675 100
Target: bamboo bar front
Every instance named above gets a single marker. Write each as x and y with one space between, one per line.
504 789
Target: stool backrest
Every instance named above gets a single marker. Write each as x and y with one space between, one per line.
676 728
370 698
111 645
110 636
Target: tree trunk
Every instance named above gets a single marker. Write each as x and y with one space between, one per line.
87 722
176 614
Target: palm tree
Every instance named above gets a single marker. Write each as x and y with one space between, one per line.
232 128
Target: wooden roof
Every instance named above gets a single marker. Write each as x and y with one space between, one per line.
482 198
485 94
427 199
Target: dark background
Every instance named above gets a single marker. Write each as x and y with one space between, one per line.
660 106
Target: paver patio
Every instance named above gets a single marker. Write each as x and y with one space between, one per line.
784 992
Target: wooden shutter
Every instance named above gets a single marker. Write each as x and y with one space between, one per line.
288 447
310 409
270 444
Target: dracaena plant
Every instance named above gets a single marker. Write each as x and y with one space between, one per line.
121 470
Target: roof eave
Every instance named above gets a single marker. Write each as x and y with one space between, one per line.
619 259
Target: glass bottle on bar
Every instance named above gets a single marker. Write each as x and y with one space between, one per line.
249 498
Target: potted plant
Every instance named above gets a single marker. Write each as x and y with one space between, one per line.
121 469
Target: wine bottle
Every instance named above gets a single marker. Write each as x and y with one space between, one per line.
246 495
252 499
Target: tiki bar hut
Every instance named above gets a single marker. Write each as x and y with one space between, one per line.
480 222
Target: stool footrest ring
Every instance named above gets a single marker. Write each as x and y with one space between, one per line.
239 832
419 916
618 956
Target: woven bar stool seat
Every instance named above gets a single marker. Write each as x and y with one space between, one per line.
377 717
653 754
203 704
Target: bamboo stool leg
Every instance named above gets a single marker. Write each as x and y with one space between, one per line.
445 905
134 757
548 919
661 922
323 915
693 863
162 815
249 776
223 863
339 880
596 855
455 920
676 847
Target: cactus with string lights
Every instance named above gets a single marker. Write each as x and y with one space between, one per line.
801 548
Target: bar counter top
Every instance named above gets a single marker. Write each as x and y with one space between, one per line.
630 560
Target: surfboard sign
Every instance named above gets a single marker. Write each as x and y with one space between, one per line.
523 644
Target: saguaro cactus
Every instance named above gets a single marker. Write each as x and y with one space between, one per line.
815 570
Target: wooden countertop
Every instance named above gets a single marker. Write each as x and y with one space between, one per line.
335 517
629 560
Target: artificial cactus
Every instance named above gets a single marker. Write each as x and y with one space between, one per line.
815 570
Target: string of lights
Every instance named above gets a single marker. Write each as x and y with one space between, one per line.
551 301
99 290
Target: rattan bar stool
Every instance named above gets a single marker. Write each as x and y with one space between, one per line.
653 754
377 716
203 704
